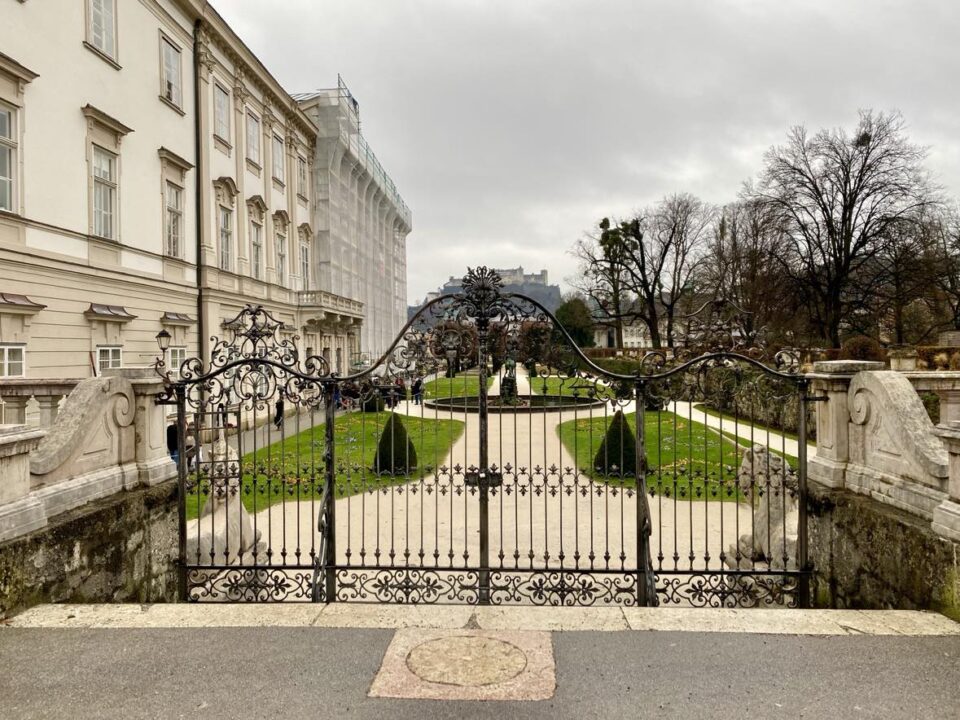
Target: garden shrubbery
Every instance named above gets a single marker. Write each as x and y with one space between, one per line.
396 454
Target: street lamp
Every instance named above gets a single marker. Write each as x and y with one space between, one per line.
163 340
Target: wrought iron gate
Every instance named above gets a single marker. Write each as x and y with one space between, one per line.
485 459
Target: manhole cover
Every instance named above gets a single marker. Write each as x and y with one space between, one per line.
466 661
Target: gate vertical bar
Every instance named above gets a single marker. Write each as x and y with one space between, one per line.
329 497
483 473
802 548
181 394
644 564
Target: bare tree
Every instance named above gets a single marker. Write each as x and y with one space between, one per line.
840 194
743 266
602 280
944 249
897 276
665 251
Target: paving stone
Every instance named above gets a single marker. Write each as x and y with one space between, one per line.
467 665
539 618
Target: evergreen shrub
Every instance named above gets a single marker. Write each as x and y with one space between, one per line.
396 454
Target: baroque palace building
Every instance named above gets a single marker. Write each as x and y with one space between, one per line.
154 175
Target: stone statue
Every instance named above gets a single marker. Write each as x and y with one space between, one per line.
224 527
508 384
770 486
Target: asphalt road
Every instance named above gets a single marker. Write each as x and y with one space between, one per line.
322 673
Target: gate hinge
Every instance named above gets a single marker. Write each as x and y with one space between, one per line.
816 398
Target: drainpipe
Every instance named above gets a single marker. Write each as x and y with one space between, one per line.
198 193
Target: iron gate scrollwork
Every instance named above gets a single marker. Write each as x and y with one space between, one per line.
485 459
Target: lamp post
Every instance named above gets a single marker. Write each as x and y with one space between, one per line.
163 341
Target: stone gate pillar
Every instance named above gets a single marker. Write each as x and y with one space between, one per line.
154 464
831 380
946 516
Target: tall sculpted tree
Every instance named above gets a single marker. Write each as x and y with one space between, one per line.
944 248
603 279
839 195
575 317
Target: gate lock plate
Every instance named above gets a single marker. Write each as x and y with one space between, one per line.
481 478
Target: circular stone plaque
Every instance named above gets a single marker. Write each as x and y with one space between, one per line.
466 660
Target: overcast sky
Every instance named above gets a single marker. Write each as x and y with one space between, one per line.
511 126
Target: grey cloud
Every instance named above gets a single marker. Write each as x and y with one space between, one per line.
511 127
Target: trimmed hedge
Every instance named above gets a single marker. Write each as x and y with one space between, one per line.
617 454
396 454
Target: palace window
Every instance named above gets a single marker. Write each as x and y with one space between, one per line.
109 357
11 360
174 219
305 266
256 250
8 157
226 239
175 358
301 176
221 113
253 138
104 193
102 26
170 87
281 259
278 158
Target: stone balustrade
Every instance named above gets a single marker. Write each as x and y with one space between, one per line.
108 436
874 438
942 383
15 393
330 302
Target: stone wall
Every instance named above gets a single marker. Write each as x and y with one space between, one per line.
121 548
870 554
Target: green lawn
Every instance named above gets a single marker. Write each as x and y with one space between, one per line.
686 459
581 387
743 421
460 386
294 469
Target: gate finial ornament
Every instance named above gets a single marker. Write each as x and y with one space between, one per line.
481 288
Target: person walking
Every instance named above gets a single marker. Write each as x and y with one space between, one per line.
417 390
278 415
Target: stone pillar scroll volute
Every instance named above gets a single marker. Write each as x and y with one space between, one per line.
831 381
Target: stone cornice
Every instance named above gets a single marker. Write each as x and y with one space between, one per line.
99 116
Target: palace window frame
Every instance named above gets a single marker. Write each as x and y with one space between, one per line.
302 176
225 234
7 350
173 219
221 113
305 265
104 175
256 250
281 242
176 355
171 73
278 159
10 149
254 132
109 357
101 30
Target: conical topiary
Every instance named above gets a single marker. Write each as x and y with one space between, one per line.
395 452
617 455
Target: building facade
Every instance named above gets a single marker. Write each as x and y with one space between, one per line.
98 210
361 220
154 175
